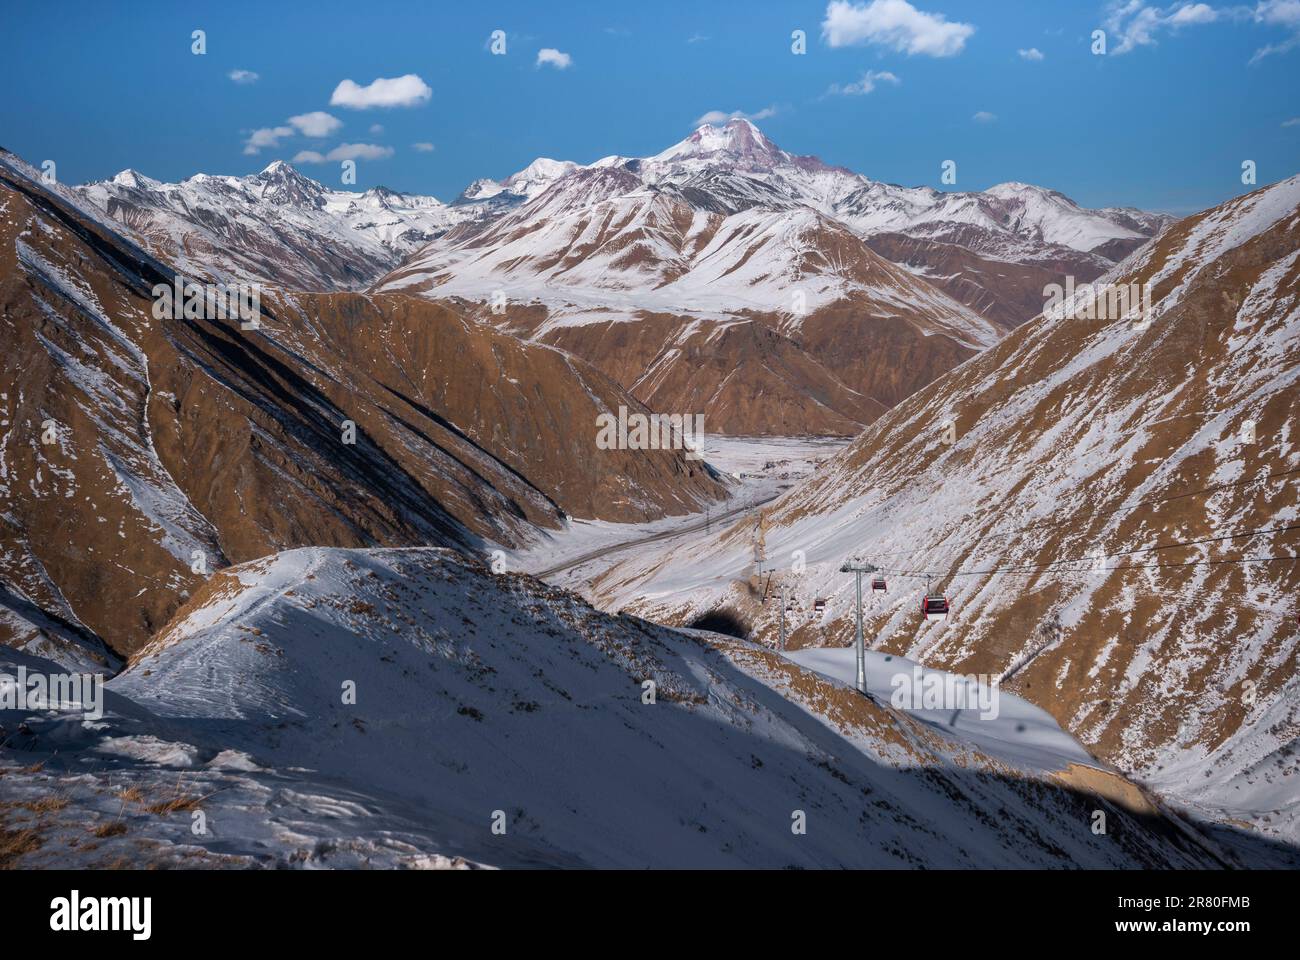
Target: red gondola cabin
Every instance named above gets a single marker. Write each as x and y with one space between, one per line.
934 607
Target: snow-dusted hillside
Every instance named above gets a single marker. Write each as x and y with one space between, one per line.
483 700
598 243
1114 519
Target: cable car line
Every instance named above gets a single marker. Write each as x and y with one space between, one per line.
931 574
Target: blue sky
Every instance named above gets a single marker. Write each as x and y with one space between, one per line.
1186 92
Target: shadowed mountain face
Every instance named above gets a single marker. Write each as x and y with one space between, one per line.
141 452
482 697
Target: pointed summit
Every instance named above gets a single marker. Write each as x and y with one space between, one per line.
134 179
738 143
281 184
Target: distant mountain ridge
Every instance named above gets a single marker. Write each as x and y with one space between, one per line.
724 169
276 226
860 291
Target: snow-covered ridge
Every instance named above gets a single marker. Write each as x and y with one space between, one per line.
276 225
390 707
1016 215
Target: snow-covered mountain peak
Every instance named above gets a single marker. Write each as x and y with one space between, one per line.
485 188
1012 188
134 179
538 175
280 183
737 142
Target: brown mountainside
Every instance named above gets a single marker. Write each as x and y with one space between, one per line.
176 445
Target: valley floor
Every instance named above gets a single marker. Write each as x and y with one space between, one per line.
758 469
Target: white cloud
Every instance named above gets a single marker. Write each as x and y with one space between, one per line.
244 76
314 124
1137 24
1278 13
376 129
265 138
318 123
549 56
1284 13
1293 122
422 147
1033 53
404 91
718 116
696 38
345 151
895 24
867 84
1193 13
984 116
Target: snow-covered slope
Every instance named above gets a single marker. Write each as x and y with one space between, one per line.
599 240
599 249
1112 511
276 226
389 708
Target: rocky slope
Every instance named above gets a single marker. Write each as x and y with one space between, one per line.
1114 519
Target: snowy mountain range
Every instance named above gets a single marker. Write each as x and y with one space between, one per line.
281 227
724 170
799 275
275 226
735 168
